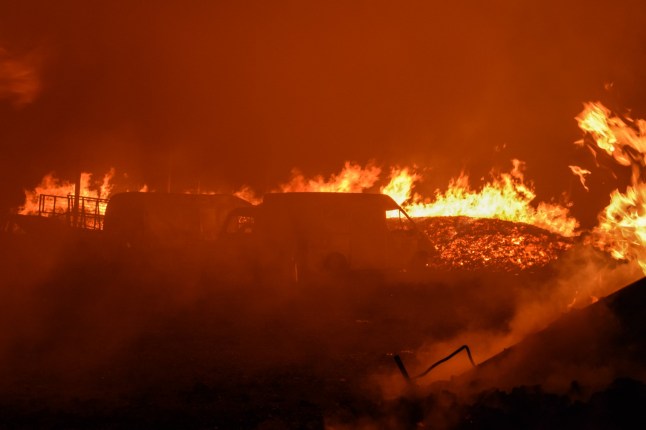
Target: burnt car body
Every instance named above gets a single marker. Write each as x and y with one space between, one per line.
167 224
308 235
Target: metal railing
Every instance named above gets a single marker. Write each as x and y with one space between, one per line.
89 215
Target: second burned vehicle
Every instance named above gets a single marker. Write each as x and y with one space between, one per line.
309 236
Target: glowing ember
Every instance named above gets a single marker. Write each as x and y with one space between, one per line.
495 245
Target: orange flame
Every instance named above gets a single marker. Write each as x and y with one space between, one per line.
625 140
581 173
595 120
506 197
50 185
400 187
622 224
352 179
246 193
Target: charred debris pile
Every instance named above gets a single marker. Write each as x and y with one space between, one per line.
465 243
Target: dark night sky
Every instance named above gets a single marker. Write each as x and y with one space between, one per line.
242 92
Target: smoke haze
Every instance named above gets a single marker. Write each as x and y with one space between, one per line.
217 95
211 94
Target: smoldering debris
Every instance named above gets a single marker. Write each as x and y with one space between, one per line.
491 244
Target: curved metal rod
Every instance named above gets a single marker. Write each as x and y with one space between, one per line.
404 372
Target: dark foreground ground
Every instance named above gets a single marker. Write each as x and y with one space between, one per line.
89 344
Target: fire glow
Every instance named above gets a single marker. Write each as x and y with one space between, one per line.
50 185
507 196
622 224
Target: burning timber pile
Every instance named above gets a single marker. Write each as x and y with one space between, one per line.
495 245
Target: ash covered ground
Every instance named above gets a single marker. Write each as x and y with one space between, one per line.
87 343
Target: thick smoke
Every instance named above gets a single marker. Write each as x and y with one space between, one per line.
583 350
